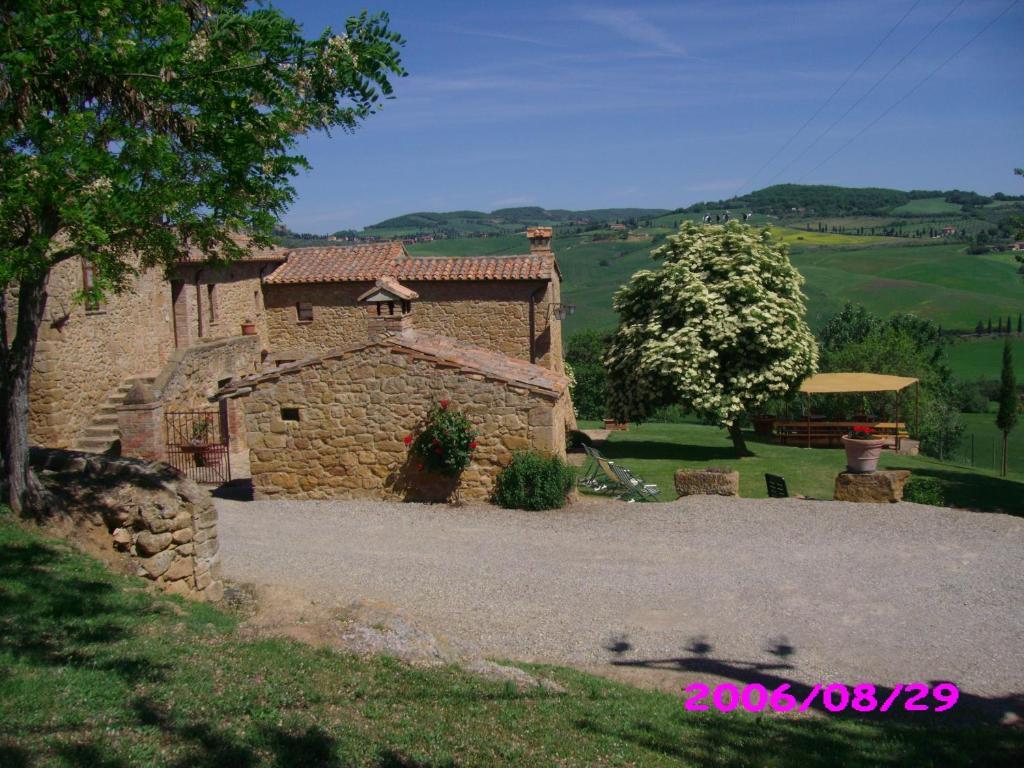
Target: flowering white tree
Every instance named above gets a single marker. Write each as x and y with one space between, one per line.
718 328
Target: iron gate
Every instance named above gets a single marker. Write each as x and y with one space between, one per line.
197 445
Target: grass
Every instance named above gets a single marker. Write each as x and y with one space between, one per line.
988 442
97 671
656 451
927 206
982 358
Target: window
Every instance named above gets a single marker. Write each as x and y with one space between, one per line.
88 284
256 301
289 414
211 301
304 311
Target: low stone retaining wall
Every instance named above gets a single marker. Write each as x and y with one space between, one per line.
707 482
142 518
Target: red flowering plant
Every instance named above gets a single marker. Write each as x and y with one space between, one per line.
862 432
446 443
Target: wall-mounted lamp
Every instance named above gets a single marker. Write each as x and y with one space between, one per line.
562 311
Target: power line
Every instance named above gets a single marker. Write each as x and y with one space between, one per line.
909 93
867 93
827 101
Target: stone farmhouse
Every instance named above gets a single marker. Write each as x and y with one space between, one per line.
319 360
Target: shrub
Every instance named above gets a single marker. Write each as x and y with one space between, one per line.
576 440
446 443
533 481
925 490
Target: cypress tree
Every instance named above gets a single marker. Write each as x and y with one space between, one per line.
1020 327
1006 418
990 325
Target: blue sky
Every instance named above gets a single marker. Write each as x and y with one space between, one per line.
593 105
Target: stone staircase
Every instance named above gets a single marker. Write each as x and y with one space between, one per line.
102 431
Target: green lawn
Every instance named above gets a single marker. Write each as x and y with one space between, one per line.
982 358
97 671
988 442
656 451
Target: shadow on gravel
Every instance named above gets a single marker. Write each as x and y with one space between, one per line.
969 709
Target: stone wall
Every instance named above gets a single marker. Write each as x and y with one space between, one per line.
144 519
237 297
192 376
354 412
83 356
500 315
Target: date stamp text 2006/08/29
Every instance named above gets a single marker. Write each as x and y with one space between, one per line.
864 697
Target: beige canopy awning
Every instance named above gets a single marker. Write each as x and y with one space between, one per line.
822 383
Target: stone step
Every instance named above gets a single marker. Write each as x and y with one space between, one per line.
100 433
93 446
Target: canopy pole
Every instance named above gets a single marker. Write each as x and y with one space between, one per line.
917 409
807 410
898 421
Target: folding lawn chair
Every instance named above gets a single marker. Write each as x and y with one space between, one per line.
777 488
634 488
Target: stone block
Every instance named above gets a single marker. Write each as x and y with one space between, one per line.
148 543
885 485
180 569
158 564
707 482
182 535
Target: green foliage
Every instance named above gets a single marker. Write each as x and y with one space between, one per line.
446 442
585 353
925 490
718 328
902 345
534 481
138 128
1009 399
853 323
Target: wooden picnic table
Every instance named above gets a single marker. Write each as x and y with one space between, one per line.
830 433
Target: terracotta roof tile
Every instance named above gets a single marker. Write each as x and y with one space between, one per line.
376 260
274 253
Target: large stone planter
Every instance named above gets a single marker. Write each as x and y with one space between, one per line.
707 482
876 487
862 455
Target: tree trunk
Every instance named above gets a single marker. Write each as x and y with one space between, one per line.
23 491
738 443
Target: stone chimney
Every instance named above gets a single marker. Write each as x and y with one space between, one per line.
540 239
388 308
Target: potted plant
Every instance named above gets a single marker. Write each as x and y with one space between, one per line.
203 454
248 327
863 447
444 446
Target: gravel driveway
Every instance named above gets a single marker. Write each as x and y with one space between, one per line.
705 588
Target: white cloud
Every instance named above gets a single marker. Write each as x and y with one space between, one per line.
629 24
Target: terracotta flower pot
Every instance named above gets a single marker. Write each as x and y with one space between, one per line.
248 329
862 455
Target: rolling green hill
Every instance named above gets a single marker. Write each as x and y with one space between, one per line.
503 220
